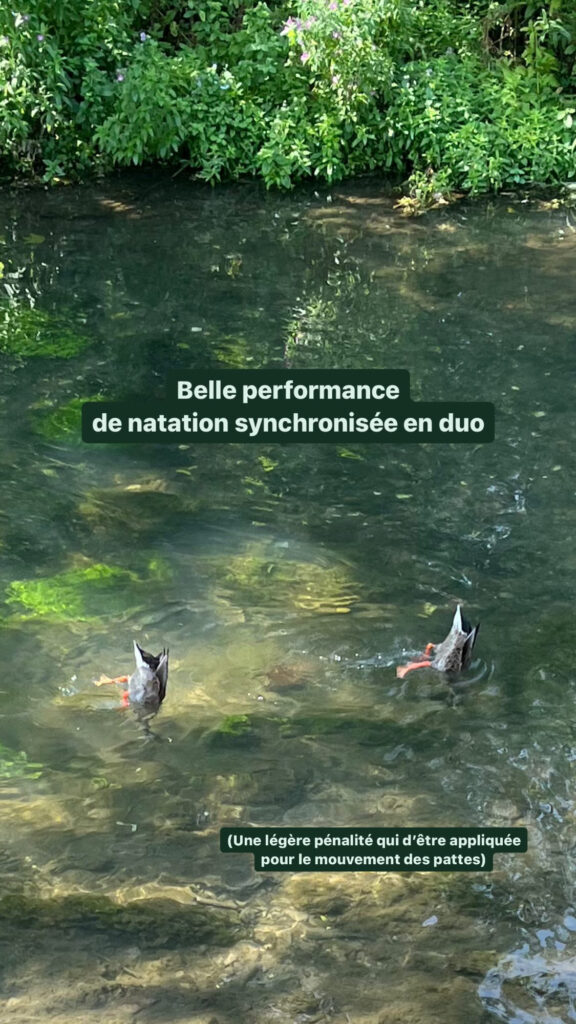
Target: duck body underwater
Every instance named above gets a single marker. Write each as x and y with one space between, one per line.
451 656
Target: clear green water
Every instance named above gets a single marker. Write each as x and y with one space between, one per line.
288 583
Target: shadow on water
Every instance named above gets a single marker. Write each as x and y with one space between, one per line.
288 582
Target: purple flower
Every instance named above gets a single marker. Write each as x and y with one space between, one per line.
309 22
336 35
290 26
143 37
119 76
40 37
305 56
333 6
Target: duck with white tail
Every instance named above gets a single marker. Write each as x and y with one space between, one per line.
453 655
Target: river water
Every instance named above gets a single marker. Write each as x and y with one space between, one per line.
288 583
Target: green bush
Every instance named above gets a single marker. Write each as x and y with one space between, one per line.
58 63
470 95
483 131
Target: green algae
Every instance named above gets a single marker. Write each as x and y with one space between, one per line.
234 351
234 731
77 594
83 594
161 921
14 764
235 725
63 423
336 722
29 333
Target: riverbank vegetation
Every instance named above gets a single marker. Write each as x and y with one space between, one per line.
447 94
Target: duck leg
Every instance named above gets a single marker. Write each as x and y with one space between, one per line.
403 670
106 681
121 680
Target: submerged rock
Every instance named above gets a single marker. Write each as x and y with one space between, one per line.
262 576
140 508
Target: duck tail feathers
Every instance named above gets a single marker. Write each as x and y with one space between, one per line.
139 655
469 643
162 673
459 623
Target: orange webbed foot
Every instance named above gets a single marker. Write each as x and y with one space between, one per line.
428 650
106 681
403 670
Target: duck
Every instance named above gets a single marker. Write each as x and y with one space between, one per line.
147 684
451 656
